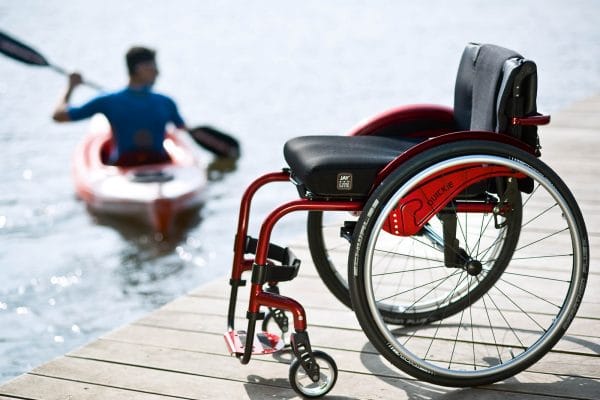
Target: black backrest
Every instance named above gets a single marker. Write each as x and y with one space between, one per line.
463 89
493 85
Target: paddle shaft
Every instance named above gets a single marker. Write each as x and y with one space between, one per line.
64 72
17 50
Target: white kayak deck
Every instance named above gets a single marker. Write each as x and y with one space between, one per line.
178 351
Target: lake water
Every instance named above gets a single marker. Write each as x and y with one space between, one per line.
264 71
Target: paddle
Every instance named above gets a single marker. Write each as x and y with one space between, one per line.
216 141
19 51
220 143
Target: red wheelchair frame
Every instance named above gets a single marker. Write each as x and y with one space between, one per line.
261 298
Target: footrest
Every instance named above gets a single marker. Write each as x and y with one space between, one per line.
263 343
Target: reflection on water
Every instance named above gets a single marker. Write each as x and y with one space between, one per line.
265 73
218 168
145 244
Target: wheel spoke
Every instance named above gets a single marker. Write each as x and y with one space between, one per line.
530 293
410 270
462 313
508 325
487 313
539 215
542 239
481 230
439 324
392 253
528 315
546 278
439 281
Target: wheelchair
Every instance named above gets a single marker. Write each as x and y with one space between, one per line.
462 254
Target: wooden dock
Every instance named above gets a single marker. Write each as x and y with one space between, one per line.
178 351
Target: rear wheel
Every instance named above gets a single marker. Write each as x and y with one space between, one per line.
502 304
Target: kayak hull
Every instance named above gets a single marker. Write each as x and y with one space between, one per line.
154 193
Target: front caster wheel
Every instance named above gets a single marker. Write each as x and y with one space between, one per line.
305 386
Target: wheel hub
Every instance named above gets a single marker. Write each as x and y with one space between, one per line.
473 267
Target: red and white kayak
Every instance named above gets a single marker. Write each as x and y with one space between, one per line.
154 193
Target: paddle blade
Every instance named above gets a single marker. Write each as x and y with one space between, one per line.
19 51
215 141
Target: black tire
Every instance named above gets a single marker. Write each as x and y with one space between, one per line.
498 327
304 386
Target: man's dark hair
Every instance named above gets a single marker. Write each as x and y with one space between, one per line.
136 55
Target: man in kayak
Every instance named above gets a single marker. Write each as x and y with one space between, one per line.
137 115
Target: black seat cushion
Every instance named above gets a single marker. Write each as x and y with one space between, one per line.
340 166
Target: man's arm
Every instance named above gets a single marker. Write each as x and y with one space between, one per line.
61 113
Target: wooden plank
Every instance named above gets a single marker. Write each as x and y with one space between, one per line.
580 119
159 381
215 303
33 387
344 340
225 367
581 336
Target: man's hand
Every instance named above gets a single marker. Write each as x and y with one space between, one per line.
60 112
75 79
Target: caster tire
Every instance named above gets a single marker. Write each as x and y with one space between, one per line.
304 385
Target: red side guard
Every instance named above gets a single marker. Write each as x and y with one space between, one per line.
263 343
430 197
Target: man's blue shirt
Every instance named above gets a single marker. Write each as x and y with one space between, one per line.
138 118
